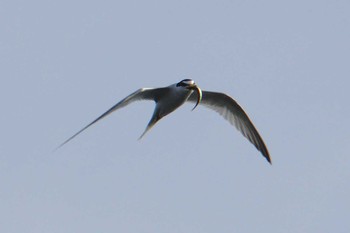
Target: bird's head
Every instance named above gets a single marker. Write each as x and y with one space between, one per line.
191 85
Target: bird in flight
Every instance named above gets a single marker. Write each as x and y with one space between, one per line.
169 98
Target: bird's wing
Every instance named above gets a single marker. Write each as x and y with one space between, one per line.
232 112
141 94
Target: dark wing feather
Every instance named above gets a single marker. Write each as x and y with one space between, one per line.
232 112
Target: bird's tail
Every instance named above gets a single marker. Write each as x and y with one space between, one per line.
151 123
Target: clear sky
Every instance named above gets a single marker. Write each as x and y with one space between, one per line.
63 63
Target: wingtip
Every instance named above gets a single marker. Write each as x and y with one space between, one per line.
266 154
139 139
57 148
269 160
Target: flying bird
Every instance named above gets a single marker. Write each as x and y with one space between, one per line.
169 98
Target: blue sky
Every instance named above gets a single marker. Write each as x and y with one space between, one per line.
63 63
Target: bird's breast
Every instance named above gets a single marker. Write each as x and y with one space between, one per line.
173 100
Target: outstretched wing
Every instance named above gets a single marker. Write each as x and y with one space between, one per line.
232 112
141 94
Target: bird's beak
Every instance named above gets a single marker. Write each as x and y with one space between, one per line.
199 94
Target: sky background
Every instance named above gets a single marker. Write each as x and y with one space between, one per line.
63 63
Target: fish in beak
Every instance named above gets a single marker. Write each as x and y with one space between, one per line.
199 94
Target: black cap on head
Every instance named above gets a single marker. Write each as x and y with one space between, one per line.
185 82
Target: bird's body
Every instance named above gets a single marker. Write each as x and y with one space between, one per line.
172 97
169 98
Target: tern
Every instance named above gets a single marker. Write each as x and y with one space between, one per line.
169 98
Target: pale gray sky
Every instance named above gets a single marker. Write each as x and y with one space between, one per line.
63 63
